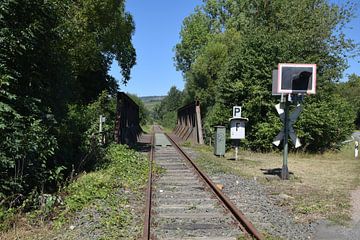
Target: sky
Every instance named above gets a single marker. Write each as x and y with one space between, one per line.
157 27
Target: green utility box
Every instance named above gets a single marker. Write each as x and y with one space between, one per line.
219 145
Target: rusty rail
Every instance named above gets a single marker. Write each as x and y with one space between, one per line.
249 227
189 125
147 219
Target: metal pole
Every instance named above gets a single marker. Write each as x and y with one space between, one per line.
236 153
284 170
100 130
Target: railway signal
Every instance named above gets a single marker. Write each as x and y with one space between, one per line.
292 119
291 81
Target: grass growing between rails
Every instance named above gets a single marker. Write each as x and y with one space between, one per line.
319 187
103 204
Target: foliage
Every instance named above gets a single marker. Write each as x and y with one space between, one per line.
82 125
54 59
125 169
241 43
166 111
321 126
97 32
25 122
143 112
350 91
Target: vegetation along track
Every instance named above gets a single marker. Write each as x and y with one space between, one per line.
183 203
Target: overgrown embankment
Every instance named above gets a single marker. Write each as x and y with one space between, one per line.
103 204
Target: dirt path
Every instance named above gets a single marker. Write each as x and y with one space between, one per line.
355 205
328 231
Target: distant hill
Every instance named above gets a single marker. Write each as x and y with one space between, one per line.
152 98
151 101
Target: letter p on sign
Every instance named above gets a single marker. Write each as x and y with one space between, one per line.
236 112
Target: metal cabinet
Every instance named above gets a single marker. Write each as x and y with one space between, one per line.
220 137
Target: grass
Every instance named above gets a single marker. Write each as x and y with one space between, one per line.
104 199
319 187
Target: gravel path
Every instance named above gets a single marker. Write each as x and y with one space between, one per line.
329 231
355 203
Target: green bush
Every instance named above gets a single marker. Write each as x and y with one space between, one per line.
324 124
123 168
232 61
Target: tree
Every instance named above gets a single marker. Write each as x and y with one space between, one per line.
96 33
167 110
244 42
25 80
54 58
350 91
143 112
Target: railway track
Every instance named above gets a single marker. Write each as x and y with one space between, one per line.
183 203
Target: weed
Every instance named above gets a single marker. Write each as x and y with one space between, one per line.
104 199
186 144
126 170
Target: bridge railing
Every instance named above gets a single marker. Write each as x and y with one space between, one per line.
189 126
127 121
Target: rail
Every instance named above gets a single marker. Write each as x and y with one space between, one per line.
245 225
248 226
147 219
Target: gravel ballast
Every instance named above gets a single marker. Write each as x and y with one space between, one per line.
265 208
261 208
251 198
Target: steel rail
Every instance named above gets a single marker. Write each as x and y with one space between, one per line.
226 201
147 219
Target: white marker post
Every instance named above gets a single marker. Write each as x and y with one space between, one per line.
102 120
237 128
356 149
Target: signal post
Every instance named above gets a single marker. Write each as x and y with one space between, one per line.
237 128
291 82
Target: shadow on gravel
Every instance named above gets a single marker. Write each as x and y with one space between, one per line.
273 172
142 147
143 143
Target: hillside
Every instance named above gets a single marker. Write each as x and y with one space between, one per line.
151 101
152 98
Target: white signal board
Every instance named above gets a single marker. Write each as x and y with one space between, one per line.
237 129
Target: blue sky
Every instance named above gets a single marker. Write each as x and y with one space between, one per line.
157 27
158 23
